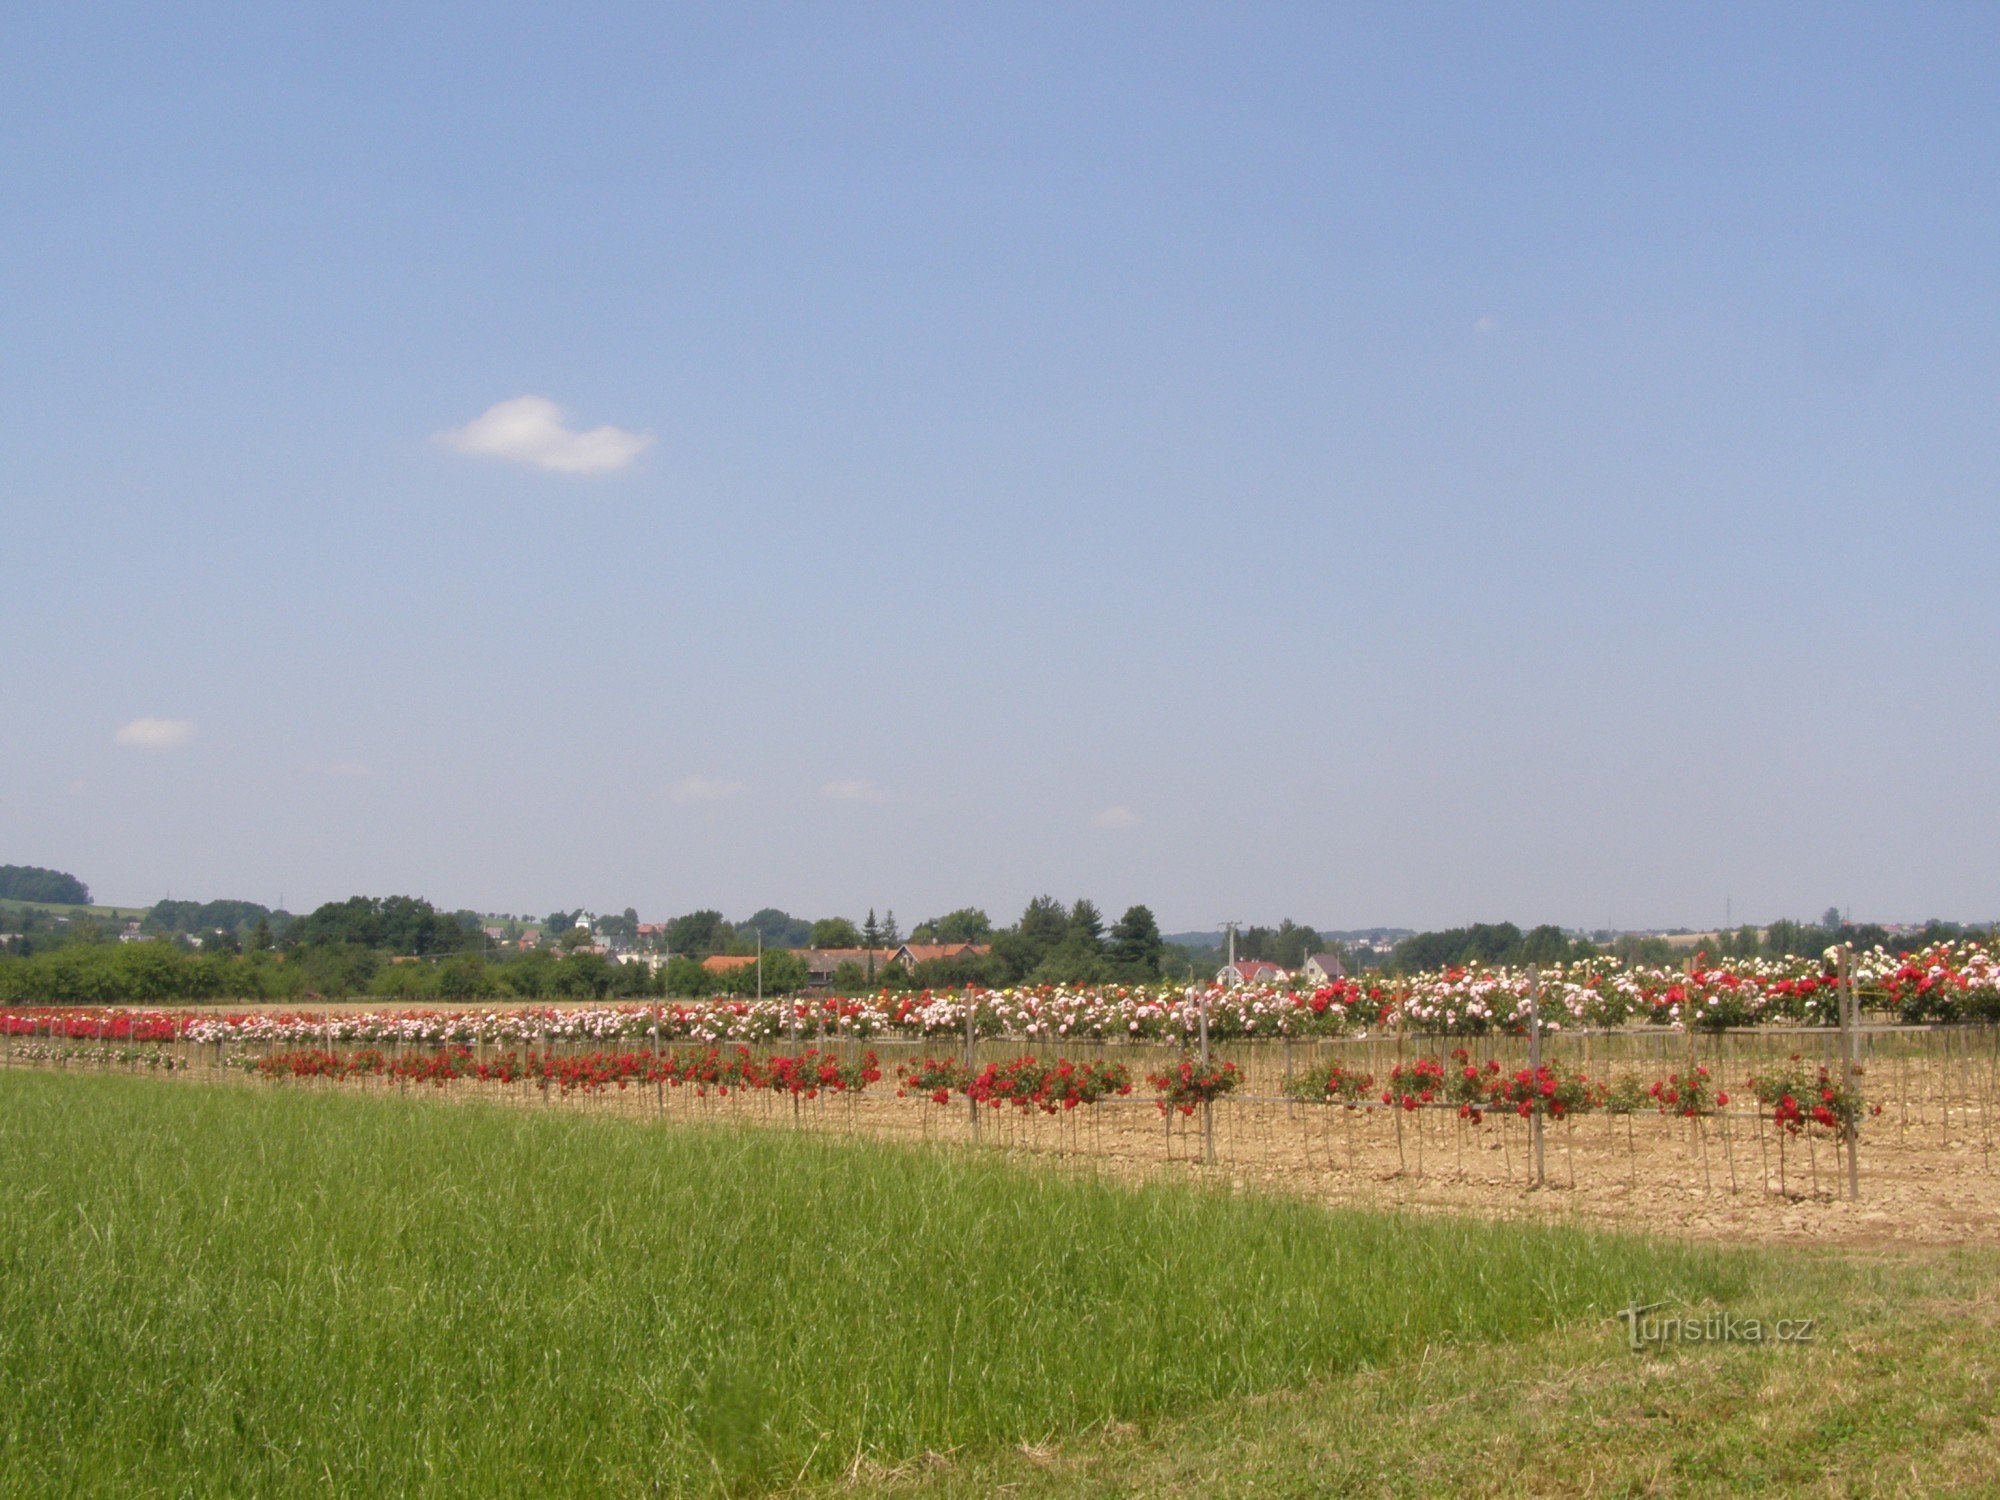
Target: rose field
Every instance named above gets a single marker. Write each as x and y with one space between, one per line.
1712 1099
1365 1239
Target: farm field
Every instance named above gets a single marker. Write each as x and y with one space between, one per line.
1368 1120
1239 1244
230 1290
9 904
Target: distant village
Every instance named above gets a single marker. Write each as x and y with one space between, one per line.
826 967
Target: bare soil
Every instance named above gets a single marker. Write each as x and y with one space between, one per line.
1927 1166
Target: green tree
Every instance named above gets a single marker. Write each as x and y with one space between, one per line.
1294 943
784 974
1287 945
390 924
530 976
1742 943
779 929
1024 947
1481 943
1545 944
204 917
891 937
148 972
464 978
835 932
966 925
686 976
583 976
1789 939
982 969
1136 945
333 970
625 925
33 883
1086 925
1075 960
1632 948
407 983
700 932
1043 923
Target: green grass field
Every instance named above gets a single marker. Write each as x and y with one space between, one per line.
1894 1397
214 1289
59 909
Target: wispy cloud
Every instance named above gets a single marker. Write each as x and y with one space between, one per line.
346 769
531 430
155 734
1115 817
855 790
1485 324
691 789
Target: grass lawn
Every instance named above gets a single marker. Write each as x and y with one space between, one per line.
216 1289
1898 1394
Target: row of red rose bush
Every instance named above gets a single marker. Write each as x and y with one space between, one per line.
808 1073
1026 1082
1797 1095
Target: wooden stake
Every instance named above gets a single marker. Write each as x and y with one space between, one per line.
1851 1063
1535 1068
1207 1105
971 1103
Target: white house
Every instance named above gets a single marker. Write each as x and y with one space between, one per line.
1324 968
1250 971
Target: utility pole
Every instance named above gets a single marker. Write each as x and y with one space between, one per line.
760 965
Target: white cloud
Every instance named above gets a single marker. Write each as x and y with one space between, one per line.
1115 817
530 430
350 769
703 789
1486 324
855 790
156 734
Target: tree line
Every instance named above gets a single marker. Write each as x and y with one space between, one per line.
33 883
404 948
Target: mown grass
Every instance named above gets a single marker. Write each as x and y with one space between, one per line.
212 1289
1894 1397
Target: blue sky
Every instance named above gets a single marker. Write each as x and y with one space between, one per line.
1410 465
